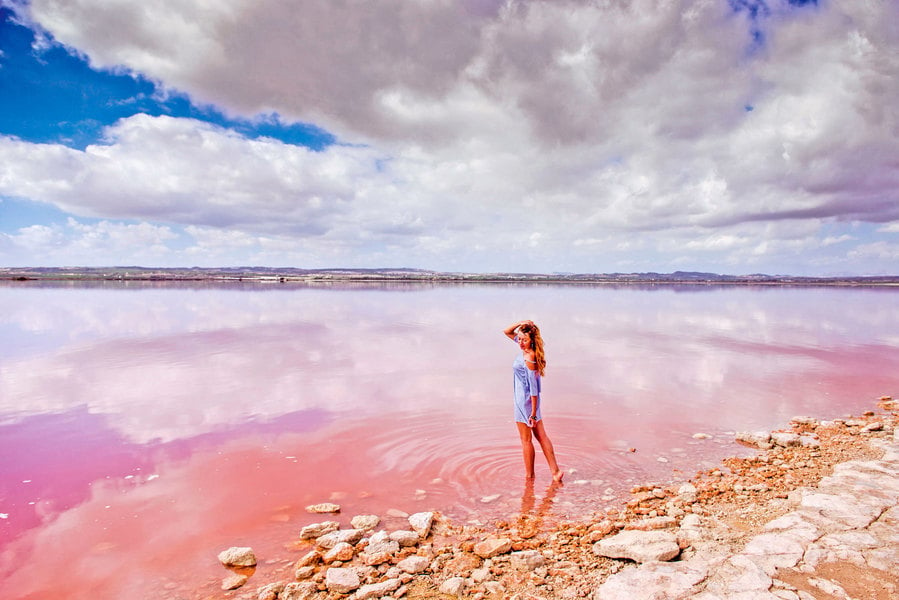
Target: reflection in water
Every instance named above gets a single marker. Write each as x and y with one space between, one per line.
197 418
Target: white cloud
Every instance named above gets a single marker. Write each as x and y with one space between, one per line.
486 122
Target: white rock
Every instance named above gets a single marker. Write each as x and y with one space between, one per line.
492 546
377 590
341 551
365 522
404 537
756 438
454 586
653 581
491 498
397 513
237 557
341 580
315 530
414 564
381 542
350 536
639 546
303 590
421 523
527 560
785 439
324 507
234 581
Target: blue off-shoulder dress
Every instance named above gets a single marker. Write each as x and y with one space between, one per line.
526 384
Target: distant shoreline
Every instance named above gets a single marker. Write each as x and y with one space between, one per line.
295 275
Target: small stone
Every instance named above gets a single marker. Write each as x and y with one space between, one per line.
396 513
341 580
237 557
365 522
875 426
234 581
491 498
701 436
324 507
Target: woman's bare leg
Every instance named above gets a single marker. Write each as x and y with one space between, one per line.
548 451
527 449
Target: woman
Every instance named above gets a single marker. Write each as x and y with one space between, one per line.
527 369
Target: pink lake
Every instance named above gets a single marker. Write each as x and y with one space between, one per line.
145 428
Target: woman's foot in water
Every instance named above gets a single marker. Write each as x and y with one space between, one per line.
558 475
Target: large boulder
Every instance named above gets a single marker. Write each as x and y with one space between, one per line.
639 546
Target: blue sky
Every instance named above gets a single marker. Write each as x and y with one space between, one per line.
481 135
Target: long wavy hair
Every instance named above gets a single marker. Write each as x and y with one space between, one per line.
536 346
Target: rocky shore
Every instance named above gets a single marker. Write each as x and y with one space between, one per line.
815 514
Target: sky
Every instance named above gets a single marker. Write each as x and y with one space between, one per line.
588 136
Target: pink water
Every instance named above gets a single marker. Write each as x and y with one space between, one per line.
144 429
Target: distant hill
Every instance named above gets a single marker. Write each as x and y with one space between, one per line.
288 274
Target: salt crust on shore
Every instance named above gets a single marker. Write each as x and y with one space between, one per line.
798 522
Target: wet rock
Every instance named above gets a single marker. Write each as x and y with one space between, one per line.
237 557
414 564
350 536
492 546
377 590
323 508
341 580
365 522
639 546
234 581
421 523
454 586
316 530
310 558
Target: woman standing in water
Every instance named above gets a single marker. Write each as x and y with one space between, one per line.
527 369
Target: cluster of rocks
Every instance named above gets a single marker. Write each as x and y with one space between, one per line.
627 552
